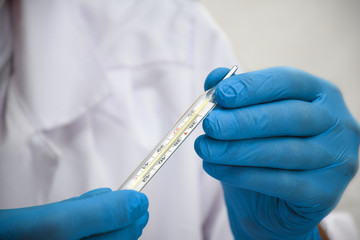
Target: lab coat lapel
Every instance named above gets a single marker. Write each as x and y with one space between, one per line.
59 79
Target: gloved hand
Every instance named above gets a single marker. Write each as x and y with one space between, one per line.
284 146
98 214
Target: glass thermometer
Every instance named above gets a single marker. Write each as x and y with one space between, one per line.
173 139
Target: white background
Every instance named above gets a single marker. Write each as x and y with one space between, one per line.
321 37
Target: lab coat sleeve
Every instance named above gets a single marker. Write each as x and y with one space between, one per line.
339 225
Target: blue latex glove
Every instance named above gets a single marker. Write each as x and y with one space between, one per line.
98 214
284 146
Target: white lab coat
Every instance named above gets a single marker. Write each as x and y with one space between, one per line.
96 84
93 86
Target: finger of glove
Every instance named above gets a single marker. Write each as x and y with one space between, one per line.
281 118
78 218
108 212
302 188
267 85
133 231
281 153
101 213
215 77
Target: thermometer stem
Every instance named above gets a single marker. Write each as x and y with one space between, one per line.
173 139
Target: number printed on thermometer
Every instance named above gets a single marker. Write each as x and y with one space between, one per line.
169 146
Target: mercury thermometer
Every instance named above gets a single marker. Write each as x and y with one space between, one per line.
173 139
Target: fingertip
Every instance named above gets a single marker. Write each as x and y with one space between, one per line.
224 94
209 169
143 220
232 92
141 197
216 124
130 206
214 77
211 150
208 124
135 199
198 146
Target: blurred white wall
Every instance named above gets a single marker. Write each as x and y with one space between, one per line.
321 37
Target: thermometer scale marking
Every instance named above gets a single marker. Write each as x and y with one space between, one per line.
171 142
173 139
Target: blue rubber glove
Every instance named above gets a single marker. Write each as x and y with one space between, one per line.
284 146
98 214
